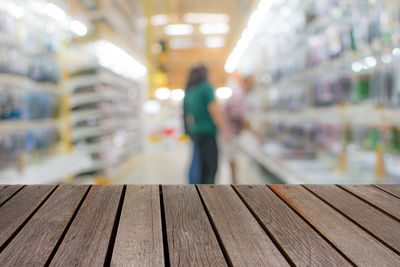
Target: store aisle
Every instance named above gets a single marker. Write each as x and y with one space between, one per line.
169 166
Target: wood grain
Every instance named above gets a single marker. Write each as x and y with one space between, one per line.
34 244
390 188
244 239
356 244
15 211
377 197
87 240
191 239
302 244
380 225
139 240
7 191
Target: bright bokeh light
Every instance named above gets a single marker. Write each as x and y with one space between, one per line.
177 95
55 12
215 42
119 61
386 58
224 92
200 18
214 28
78 28
178 29
15 10
159 20
182 43
370 61
248 34
152 107
357 66
396 52
163 93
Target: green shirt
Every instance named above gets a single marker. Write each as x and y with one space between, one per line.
196 105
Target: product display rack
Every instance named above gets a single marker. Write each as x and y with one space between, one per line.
328 98
105 118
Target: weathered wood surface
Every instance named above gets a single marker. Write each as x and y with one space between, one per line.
360 247
34 244
244 239
187 225
87 240
191 239
302 244
139 239
383 227
18 209
6 191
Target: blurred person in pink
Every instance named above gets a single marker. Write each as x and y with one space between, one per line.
236 117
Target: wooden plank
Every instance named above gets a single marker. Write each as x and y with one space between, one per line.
34 244
356 244
393 189
245 241
303 245
377 197
191 239
139 240
7 191
374 221
15 211
87 240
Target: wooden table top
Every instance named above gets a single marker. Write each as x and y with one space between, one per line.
205 225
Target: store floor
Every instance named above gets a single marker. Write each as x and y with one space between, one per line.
169 166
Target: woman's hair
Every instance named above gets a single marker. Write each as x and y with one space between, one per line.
197 75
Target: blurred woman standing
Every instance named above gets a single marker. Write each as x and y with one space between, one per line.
204 119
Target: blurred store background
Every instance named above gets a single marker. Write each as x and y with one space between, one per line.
91 91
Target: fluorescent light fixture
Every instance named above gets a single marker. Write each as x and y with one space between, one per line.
78 27
252 26
199 18
224 92
396 52
152 107
55 12
370 61
163 93
214 28
178 29
119 61
159 20
177 95
386 58
15 10
182 43
215 42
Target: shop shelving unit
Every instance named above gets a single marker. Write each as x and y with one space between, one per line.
105 118
324 41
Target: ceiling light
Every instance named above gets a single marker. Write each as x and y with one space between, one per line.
54 12
214 28
163 93
199 18
252 26
159 20
177 95
182 43
224 92
119 61
178 29
215 42
78 27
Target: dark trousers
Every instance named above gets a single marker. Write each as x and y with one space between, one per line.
206 145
